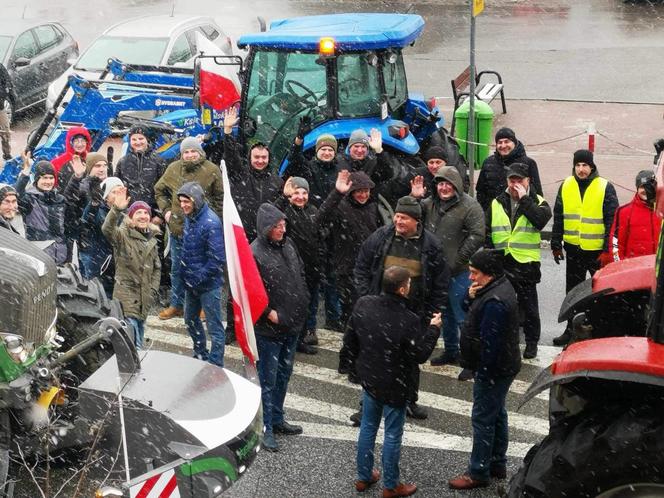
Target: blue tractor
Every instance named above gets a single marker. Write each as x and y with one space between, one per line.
338 72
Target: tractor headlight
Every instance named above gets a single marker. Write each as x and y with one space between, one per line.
51 332
15 348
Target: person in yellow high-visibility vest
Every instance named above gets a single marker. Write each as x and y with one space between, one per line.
582 218
513 223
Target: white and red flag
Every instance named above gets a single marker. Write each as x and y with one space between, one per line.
219 84
247 289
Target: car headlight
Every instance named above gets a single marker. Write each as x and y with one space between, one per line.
15 348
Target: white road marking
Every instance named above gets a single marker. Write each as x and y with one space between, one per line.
435 401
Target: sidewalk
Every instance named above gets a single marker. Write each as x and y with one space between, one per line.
541 125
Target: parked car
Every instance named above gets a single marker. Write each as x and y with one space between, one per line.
35 54
159 40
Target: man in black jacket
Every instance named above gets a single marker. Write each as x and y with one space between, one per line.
278 328
492 180
140 169
514 221
407 244
8 207
384 339
5 91
251 179
490 347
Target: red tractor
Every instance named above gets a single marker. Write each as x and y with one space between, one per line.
606 404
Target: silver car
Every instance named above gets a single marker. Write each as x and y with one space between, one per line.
159 40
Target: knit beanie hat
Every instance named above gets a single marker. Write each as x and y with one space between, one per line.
6 190
358 136
507 133
93 158
191 143
135 206
137 130
43 168
109 184
410 206
489 261
644 176
359 181
435 152
326 140
584 156
299 182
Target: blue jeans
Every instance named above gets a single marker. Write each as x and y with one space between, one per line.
139 331
372 412
275 366
331 296
177 284
314 289
210 303
455 315
490 432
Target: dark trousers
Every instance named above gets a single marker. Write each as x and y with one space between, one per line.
579 262
526 293
347 297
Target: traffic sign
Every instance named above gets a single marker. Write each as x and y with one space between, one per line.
478 7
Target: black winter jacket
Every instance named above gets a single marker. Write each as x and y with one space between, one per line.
493 180
490 334
282 272
44 217
351 223
250 187
140 171
303 228
538 215
384 339
369 268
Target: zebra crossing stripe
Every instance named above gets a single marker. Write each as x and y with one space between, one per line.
435 401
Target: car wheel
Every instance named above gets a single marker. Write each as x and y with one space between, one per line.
598 452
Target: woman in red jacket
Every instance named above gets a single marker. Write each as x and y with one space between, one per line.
636 227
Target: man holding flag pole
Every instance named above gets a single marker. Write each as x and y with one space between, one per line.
268 289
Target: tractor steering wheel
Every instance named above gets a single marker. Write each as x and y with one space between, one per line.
309 96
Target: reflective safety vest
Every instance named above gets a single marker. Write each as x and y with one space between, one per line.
583 220
521 241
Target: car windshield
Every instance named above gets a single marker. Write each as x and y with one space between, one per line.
283 88
129 50
5 41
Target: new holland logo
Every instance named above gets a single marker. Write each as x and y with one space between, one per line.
174 103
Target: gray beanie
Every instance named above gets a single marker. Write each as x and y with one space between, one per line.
358 136
410 206
299 182
109 184
191 143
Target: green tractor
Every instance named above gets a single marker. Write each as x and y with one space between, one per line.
72 384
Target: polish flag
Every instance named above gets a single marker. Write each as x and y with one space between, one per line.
247 290
219 84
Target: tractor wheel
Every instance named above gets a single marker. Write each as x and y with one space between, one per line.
600 452
81 304
6 484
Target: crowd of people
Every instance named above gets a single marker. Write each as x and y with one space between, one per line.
401 256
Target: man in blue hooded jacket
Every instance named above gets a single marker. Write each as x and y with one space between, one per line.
202 262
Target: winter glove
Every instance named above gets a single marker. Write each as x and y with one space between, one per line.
305 126
604 259
558 256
